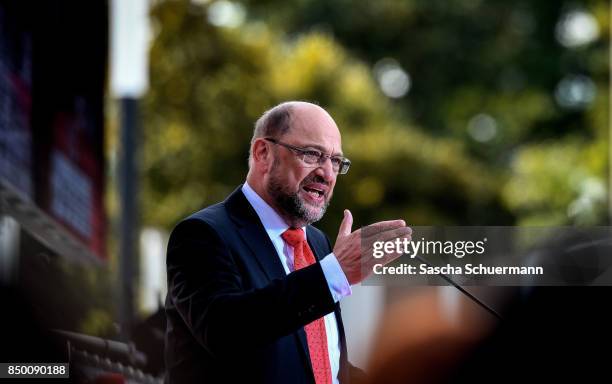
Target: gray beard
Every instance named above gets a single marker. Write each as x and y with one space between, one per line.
291 204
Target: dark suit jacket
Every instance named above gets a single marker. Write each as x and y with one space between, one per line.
233 313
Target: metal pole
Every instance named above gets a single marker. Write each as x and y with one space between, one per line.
129 225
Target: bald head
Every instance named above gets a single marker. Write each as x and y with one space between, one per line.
277 121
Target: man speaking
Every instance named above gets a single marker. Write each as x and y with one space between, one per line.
253 288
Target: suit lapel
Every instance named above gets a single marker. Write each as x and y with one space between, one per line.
315 244
254 234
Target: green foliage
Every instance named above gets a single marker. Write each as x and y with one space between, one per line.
413 157
206 92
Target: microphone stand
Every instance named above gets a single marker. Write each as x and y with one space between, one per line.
462 290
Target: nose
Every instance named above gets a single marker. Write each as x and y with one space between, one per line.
326 169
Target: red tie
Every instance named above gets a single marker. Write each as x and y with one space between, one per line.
315 331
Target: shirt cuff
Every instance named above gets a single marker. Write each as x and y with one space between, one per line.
339 286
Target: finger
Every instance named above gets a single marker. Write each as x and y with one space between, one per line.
381 226
390 257
386 235
346 224
392 234
389 236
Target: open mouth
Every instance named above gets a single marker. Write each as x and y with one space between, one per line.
314 192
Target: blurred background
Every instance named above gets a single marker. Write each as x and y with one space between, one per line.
117 120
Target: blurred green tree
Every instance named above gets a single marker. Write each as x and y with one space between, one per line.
507 79
448 109
208 86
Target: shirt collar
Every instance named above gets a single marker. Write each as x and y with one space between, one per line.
271 220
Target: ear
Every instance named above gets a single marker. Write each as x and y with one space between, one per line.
262 157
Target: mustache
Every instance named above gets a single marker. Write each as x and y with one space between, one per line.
315 179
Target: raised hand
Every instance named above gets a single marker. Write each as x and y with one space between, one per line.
354 250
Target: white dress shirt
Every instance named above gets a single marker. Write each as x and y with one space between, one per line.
338 285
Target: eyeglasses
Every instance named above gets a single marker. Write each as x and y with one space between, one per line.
340 164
